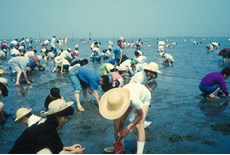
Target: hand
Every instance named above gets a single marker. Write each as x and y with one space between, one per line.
124 132
74 149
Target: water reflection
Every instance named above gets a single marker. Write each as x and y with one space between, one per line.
213 109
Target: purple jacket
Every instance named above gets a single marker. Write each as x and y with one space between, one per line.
215 78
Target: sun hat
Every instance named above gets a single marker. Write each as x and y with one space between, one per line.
56 106
39 57
58 59
121 38
114 103
152 66
121 68
69 49
21 112
109 66
141 59
3 80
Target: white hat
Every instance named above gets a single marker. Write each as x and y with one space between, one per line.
69 49
109 66
76 46
57 106
58 59
121 38
141 59
39 57
152 66
21 112
114 103
121 68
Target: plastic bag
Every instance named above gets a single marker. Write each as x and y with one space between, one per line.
118 146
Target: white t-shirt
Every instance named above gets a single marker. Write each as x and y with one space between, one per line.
139 95
126 64
29 54
168 56
33 119
139 77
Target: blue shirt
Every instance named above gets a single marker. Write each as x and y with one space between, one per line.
89 78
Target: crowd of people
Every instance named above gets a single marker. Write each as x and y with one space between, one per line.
126 82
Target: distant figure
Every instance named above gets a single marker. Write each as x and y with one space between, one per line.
26 117
215 81
117 53
225 53
168 59
215 45
209 47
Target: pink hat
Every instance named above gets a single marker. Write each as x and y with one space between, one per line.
76 46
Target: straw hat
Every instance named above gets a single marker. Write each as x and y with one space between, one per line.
141 59
152 66
109 66
69 49
114 103
3 80
58 59
21 112
39 57
57 106
122 68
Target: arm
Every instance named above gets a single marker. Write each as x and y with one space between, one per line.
147 86
125 131
74 149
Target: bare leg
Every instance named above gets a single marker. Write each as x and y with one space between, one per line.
18 78
77 98
213 93
85 96
25 75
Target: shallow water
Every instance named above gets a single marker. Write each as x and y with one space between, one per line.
183 122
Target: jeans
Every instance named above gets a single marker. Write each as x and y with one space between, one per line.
208 89
73 76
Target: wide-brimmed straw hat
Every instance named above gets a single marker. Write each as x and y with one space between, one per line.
3 80
21 112
39 57
58 59
56 106
114 103
152 66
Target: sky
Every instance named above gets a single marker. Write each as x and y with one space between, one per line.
114 18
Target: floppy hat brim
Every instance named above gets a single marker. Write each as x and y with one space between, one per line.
18 118
57 109
147 68
114 114
60 61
